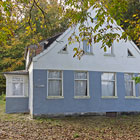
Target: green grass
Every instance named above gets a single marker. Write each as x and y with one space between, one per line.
2 106
2 97
9 117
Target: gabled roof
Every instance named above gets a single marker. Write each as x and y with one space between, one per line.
51 40
44 43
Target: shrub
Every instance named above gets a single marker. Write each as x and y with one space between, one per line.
3 97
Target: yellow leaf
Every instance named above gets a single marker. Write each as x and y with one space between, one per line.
126 20
28 28
134 15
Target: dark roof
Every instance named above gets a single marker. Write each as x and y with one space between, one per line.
20 72
51 40
44 43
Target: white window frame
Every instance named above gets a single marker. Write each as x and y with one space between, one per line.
138 87
112 51
134 87
82 97
54 97
15 82
115 81
91 49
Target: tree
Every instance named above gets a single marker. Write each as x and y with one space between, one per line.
39 28
14 12
131 21
108 10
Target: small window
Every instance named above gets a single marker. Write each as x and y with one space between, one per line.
55 83
108 50
81 84
129 54
129 85
64 50
87 47
17 86
108 84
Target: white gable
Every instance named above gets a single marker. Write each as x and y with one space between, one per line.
98 61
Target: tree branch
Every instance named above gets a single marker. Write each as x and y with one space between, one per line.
30 14
43 12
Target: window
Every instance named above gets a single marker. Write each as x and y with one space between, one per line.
17 86
129 84
81 84
138 85
108 50
87 47
55 83
129 54
108 84
64 50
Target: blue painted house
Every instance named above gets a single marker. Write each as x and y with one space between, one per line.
55 83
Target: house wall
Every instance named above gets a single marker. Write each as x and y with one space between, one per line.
31 88
70 105
16 104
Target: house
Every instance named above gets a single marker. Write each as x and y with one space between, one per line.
55 83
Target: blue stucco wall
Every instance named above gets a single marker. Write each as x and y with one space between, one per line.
17 104
69 105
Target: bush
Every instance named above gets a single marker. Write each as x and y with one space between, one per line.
3 97
2 84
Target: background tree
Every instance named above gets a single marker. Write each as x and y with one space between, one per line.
108 10
130 21
31 28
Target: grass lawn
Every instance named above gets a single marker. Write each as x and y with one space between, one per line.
21 127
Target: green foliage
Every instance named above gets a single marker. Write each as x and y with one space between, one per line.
137 80
23 23
76 135
108 10
2 84
3 97
130 20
